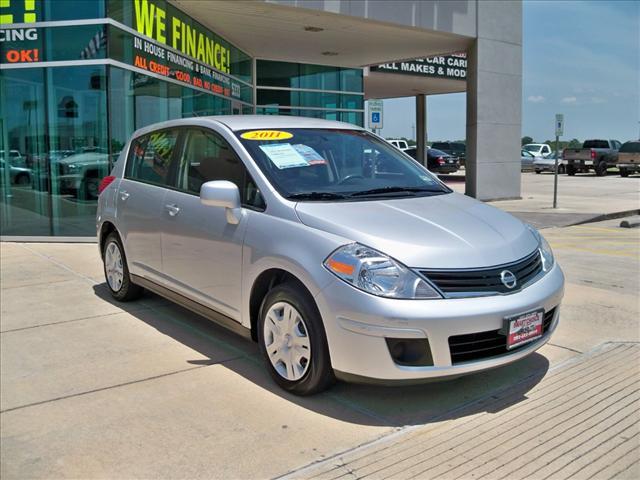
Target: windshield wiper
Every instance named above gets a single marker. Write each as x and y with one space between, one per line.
385 190
316 196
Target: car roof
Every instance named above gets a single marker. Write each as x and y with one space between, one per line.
249 122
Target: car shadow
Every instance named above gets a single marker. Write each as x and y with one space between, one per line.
393 406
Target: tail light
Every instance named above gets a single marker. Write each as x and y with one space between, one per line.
593 154
106 181
440 160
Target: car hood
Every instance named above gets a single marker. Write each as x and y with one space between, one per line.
444 231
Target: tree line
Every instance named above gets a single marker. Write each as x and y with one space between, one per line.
573 143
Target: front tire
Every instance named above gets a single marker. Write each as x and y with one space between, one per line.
293 342
116 271
624 172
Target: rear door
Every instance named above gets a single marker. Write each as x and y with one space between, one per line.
140 200
201 251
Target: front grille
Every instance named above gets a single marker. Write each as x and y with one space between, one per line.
483 345
485 280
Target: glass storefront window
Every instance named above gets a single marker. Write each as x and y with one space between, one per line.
355 118
25 203
78 151
298 98
49 44
138 100
71 9
300 75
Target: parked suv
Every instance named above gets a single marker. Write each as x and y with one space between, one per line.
341 256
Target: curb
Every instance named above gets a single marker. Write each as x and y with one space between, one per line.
608 216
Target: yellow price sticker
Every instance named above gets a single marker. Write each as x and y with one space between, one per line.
266 135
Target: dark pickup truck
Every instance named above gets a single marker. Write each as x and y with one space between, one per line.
598 155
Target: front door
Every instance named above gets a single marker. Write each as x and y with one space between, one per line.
202 252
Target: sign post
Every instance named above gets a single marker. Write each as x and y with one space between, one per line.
559 132
375 114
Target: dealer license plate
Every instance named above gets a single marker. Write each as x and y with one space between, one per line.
524 328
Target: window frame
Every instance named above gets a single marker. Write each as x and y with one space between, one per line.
179 166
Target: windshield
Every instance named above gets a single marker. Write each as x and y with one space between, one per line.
331 164
533 148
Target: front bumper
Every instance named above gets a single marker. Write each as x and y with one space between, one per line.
357 325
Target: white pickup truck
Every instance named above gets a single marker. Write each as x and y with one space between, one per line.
598 155
400 144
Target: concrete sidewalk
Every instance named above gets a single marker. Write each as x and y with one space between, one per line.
581 198
581 422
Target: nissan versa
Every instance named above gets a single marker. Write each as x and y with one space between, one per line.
339 254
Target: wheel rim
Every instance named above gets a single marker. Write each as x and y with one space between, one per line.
113 267
286 340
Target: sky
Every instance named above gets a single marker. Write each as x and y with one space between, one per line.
580 58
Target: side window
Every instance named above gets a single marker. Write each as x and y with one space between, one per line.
206 157
150 157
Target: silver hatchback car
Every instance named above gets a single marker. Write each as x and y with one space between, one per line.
340 255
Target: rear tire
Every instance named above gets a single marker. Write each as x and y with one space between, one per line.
538 172
116 271
624 172
571 170
601 169
561 169
293 342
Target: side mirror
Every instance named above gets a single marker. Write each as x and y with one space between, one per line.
225 194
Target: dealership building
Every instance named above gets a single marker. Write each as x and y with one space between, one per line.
78 77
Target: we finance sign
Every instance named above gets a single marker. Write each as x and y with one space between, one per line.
168 25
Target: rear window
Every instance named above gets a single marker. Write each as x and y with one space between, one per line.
440 145
630 147
150 157
595 144
458 147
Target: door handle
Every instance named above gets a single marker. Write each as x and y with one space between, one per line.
124 195
173 209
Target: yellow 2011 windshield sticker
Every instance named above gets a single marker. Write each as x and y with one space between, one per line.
266 135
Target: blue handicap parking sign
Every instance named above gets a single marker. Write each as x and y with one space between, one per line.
375 117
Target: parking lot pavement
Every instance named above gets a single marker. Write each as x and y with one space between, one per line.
581 198
91 388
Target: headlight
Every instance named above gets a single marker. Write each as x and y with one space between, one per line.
376 273
545 250
546 254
